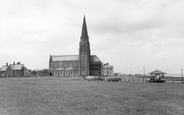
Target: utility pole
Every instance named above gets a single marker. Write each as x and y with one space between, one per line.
143 73
182 74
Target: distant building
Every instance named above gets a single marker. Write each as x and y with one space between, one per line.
107 70
83 64
157 73
117 74
16 70
3 70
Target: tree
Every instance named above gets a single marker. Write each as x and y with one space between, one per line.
45 72
34 72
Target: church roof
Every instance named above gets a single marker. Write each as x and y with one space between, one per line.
65 58
60 69
69 68
94 58
72 58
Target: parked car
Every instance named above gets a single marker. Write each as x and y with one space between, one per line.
99 78
153 79
89 78
112 79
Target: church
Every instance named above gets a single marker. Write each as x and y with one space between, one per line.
81 65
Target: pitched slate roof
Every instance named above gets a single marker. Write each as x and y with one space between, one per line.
66 68
94 58
107 66
4 68
69 68
72 58
60 69
14 67
157 72
17 66
65 58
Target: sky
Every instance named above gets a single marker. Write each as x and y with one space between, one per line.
128 34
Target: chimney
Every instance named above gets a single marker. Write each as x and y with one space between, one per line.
6 64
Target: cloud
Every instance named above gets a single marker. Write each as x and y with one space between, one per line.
139 32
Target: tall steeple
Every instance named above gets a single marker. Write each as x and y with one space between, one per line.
84 33
84 51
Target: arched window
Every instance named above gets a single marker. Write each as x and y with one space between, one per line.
81 48
85 48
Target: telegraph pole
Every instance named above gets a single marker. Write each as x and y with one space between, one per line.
143 73
182 74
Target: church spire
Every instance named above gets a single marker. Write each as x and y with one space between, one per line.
84 51
84 34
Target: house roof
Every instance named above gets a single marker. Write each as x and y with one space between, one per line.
72 58
157 72
4 68
17 66
107 66
14 67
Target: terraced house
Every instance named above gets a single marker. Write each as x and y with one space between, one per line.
83 64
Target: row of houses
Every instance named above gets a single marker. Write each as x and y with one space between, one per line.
16 70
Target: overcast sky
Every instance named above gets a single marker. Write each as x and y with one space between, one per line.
128 34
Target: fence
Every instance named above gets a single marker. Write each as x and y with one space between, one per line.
145 79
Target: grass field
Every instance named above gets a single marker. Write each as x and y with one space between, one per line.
69 96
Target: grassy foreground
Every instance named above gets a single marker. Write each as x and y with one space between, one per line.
69 96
